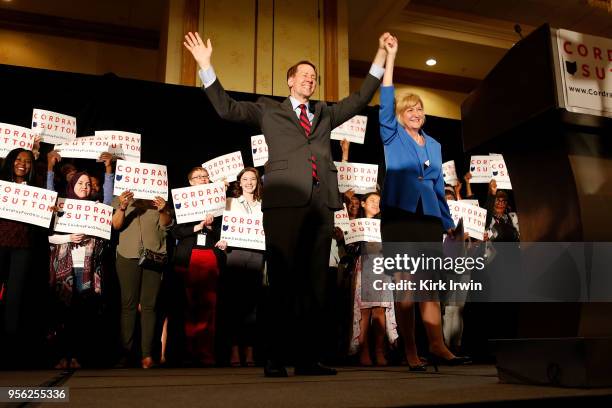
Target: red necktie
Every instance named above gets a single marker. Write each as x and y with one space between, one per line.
306 125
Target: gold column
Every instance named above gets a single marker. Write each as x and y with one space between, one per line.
191 17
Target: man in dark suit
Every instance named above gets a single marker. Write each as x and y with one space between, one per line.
300 195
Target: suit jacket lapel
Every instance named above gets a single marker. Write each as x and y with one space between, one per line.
294 118
429 150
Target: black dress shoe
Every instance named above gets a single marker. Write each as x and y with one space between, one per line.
124 362
455 361
315 369
418 367
274 370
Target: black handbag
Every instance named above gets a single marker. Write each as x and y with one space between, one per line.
152 260
148 259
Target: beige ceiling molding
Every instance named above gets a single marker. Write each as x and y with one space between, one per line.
368 14
443 23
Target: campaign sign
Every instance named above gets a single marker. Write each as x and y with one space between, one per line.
145 180
195 202
474 218
479 167
54 127
259 148
243 230
359 177
87 147
449 173
363 229
499 171
13 137
341 219
584 71
471 202
84 217
32 205
124 145
225 167
353 130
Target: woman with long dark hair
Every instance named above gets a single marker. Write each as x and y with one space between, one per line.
20 247
374 311
243 273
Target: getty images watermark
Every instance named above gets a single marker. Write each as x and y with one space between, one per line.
406 264
487 272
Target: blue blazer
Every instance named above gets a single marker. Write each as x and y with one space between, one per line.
407 180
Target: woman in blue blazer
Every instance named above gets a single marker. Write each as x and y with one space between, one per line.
413 204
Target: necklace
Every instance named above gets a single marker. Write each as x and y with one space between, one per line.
248 206
418 139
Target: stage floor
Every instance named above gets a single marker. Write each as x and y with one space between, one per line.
247 387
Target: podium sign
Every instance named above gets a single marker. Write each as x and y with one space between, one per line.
584 73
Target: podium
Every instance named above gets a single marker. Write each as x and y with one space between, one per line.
547 107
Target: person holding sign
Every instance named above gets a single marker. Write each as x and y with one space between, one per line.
96 187
141 259
414 207
66 170
197 260
54 157
243 273
20 246
300 197
502 224
367 312
76 270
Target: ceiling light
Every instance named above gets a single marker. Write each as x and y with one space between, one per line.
431 62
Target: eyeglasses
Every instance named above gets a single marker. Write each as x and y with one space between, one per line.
200 177
501 200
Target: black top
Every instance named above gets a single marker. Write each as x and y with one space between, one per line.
187 241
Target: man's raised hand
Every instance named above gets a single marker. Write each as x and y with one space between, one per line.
201 52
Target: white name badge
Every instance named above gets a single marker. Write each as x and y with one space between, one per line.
201 239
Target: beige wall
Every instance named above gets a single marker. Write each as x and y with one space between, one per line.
255 42
231 28
445 104
72 55
264 65
296 37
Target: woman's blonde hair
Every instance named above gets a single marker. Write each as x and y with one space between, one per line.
405 101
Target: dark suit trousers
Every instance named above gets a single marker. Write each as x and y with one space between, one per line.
298 241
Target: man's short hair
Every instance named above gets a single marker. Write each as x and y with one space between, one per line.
293 69
195 169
